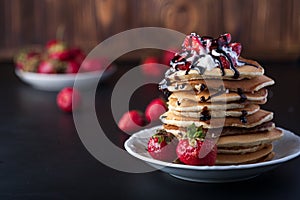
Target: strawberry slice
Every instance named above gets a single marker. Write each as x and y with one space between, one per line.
195 150
236 47
192 42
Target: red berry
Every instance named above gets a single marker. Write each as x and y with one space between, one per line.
228 37
167 56
61 55
93 64
225 62
190 154
77 55
68 99
46 67
155 109
236 47
162 146
72 67
131 121
151 67
192 42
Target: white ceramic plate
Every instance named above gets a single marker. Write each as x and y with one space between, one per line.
56 82
287 148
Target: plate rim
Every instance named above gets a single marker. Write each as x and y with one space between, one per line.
205 168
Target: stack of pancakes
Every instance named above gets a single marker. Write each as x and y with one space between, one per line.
227 108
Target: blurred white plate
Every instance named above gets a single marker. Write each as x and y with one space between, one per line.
56 82
287 148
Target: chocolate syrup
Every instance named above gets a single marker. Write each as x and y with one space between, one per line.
243 116
205 115
243 97
221 90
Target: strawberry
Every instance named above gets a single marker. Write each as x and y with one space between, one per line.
155 109
93 64
68 99
225 62
72 67
162 146
192 42
58 50
151 67
227 37
131 121
28 60
77 55
236 47
46 67
167 56
195 150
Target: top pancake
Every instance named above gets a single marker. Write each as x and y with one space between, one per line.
246 85
245 71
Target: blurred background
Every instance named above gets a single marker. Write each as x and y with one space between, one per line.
268 29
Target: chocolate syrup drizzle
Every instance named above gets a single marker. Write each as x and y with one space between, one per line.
205 115
221 90
243 117
243 97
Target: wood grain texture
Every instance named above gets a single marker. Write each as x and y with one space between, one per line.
268 29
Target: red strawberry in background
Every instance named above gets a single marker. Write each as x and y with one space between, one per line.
131 121
46 67
195 150
93 64
155 109
77 55
72 67
58 50
152 67
162 146
68 99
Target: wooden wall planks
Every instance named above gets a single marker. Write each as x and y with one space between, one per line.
268 29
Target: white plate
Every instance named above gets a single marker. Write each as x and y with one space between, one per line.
287 148
56 82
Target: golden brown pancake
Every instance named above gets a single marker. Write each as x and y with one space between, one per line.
216 96
238 112
246 85
250 139
230 159
245 71
257 118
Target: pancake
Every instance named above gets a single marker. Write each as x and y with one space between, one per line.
250 139
257 118
246 85
241 149
239 112
180 131
190 106
231 159
216 96
245 71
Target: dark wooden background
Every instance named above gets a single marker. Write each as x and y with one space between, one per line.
268 29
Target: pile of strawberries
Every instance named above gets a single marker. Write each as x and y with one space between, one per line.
193 149
133 120
55 57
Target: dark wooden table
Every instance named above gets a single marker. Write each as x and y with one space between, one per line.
42 157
